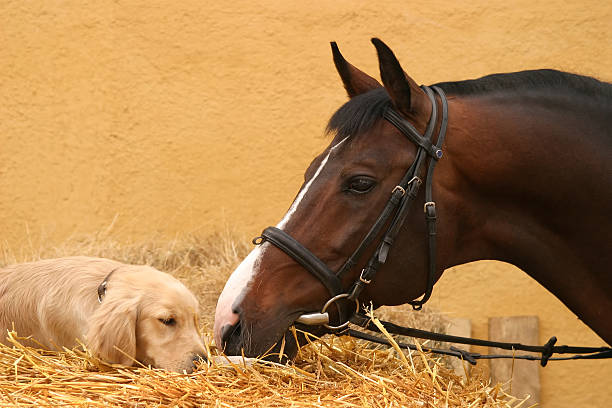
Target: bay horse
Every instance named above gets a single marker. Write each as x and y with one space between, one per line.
524 176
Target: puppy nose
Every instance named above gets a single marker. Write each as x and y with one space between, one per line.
199 358
196 360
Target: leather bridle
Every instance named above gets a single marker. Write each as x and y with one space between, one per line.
402 197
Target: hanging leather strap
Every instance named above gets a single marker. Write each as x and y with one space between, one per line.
430 207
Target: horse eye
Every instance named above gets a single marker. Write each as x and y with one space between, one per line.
168 322
361 184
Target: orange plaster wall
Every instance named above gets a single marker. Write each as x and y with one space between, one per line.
172 117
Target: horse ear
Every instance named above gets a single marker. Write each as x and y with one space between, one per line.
355 81
401 88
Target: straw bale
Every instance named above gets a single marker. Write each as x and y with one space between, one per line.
332 372
328 372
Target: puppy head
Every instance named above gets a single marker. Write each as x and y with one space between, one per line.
150 317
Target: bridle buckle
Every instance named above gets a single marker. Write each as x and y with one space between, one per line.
362 279
415 178
429 203
400 189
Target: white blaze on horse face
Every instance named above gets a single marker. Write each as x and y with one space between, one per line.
234 286
239 280
302 193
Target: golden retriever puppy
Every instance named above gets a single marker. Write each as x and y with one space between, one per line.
122 313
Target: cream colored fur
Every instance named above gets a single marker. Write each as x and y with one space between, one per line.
56 302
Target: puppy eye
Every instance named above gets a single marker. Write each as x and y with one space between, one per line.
360 185
168 322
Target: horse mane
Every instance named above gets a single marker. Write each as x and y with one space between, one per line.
361 112
532 79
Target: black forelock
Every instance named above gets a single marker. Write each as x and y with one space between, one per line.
359 114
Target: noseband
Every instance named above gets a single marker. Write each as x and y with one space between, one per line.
402 196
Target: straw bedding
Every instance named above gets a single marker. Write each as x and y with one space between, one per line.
329 372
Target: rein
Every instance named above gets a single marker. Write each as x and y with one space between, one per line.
546 351
402 197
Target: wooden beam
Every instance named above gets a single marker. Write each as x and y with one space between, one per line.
459 326
521 377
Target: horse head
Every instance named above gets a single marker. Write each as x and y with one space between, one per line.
345 189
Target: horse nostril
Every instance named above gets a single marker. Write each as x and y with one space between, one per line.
230 334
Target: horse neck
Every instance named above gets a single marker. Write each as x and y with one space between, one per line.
528 181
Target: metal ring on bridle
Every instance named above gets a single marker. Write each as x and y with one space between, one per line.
415 178
332 300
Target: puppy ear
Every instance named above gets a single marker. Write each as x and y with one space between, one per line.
112 327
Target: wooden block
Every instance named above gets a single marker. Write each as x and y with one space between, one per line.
459 327
522 377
